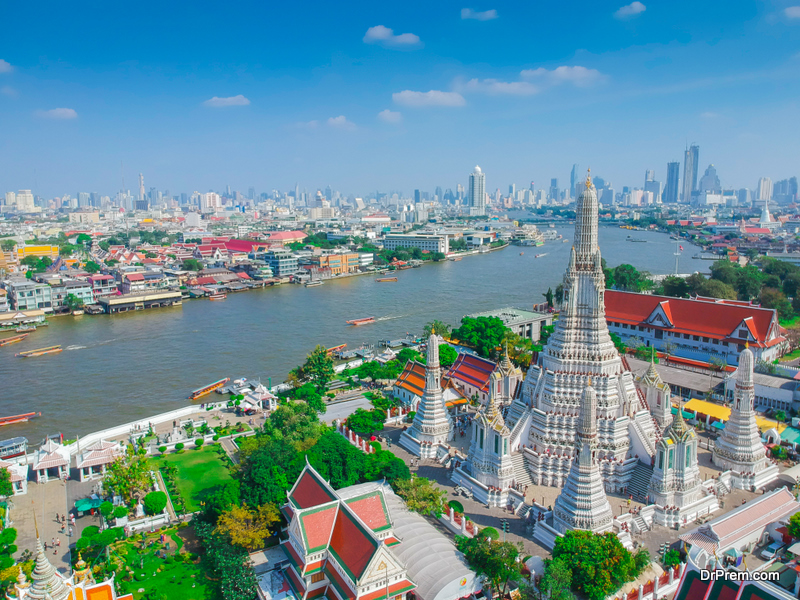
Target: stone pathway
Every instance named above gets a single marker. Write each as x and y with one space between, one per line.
44 501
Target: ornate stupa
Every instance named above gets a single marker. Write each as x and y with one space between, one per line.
432 424
739 448
544 417
658 395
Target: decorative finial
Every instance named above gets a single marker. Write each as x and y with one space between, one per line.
588 178
747 344
433 330
589 382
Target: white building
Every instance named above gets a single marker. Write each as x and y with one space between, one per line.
25 201
477 193
429 242
764 189
19 476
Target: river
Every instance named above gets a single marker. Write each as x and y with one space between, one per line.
119 368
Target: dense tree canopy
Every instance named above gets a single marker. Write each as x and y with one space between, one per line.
129 475
366 422
485 334
247 527
447 355
496 562
421 495
6 487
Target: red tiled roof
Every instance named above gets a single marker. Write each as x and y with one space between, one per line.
339 582
696 317
371 510
310 490
412 378
352 544
316 526
472 370
135 276
287 235
204 281
243 276
401 586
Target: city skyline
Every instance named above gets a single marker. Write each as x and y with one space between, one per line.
397 99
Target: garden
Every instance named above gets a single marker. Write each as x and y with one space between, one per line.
191 473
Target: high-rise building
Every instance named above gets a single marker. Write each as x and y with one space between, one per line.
671 189
141 187
11 199
94 199
574 178
251 193
83 199
417 197
25 201
764 189
649 175
477 192
709 182
690 160
512 190
744 197
554 190
328 193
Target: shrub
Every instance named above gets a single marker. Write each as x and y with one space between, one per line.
410 416
162 449
779 452
155 502
179 446
106 509
457 506
672 558
375 446
198 442
90 530
216 438
120 512
489 532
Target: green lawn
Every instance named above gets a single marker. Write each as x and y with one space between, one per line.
198 472
177 579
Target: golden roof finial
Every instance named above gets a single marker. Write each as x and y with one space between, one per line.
588 178
589 382
433 330
747 344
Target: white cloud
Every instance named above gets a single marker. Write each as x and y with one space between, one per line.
578 76
217 102
60 114
791 12
431 98
486 15
495 87
630 10
390 116
709 115
7 90
341 122
387 38
5 66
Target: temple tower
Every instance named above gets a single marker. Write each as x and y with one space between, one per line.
489 459
432 424
47 582
657 394
740 448
583 504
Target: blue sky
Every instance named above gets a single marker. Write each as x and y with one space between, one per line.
393 96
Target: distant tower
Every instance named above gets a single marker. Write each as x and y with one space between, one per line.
583 504
673 177
432 424
764 189
740 448
574 180
657 394
690 160
141 187
477 193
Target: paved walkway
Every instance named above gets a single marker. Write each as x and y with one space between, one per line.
44 501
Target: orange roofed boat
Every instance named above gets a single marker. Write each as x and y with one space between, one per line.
13 339
364 321
40 352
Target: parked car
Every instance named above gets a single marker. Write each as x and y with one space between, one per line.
772 550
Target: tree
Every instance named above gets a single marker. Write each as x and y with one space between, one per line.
192 264
155 503
7 548
318 368
482 333
447 355
440 327
600 563
129 475
72 302
91 267
6 487
780 416
421 495
791 284
407 354
230 564
560 293
618 343
548 296
84 239
120 511
557 579
220 499
495 562
748 282
714 288
794 525
246 527
725 271
695 281
628 278
7 245
366 422
672 558
772 298
675 287
199 442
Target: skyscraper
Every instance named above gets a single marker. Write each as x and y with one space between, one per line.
649 175
477 192
417 197
141 187
671 190
554 189
690 160
765 189
709 182
574 178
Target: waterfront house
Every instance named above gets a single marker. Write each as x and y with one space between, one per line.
92 462
102 285
26 295
3 301
19 476
51 462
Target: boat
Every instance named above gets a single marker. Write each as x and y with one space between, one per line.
521 253
14 447
77 313
565 241
22 328
40 352
312 283
336 349
455 259
13 339
386 279
540 255
364 321
19 418
218 296
203 391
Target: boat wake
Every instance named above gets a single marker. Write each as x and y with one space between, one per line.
390 318
76 347
103 343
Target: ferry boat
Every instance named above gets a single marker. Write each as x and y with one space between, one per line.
364 321
313 283
22 328
386 279
336 349
14 447
565 241
219 296
541 255
203 391
13 339
40 352
19 418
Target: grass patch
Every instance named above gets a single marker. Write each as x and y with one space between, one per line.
198 472
790 355
142 566
792 323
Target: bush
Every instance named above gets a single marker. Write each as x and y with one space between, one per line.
216 438
90 530
120 512
198 442
155 502
106 509
375 446
779 452
162 449
672 558
489 532
410 416
457 506
179 447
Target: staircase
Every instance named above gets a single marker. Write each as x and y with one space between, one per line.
640 481
522 510
521 475
722 489
639 524
644 438
523 422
